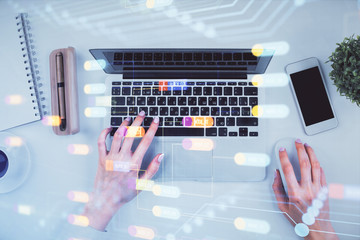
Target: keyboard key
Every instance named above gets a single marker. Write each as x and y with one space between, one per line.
232 83
174 111
130 101
158 56
211 83
250 90
205 111
119 111
249 121
253 101
133 111
192 101
127 83
237 91
197 56
146 90
136 91
197 91
184 111
237 56
230 121
161 121
116 121
245 111
221 83
243 132
161 101
178 121
181 101
138 56
168 56
115 91
200 83
178 56
217 91
140 100
171 101
242 83
126 90
154 111
220 121
118 56
187 56
211 132
148 121
233 101
164 111
167 91
187 91
232 134
249 56
202 101
235 111
227 56
145 109
179 131
148 57
207 91
156 91
118 101
194 111
207 56
177 91
116 83
243 101
212 101
222 132
215 111
225 111
223 101
190 83
169 121
253 134
228 91
128 56
217 56
151 101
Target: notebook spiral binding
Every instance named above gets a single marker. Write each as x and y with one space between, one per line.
29 55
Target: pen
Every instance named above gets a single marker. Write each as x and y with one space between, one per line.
61 89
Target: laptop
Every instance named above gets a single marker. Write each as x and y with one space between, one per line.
208 129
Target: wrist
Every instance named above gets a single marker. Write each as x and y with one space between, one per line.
324 232
98 217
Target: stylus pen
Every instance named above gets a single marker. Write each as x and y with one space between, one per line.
61 89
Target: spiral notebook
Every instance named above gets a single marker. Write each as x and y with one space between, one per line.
20 95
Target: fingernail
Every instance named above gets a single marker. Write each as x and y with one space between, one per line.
306 145
298 140
142 113
282 149
160 158
156 119
128 119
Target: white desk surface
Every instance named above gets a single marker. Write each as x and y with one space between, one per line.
310 29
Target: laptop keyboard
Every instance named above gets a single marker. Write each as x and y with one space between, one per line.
226 105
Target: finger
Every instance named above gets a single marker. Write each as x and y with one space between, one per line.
322 177
279 191
102 142
304 163
153 167
146 141
128 141
288 169
118 137
315 165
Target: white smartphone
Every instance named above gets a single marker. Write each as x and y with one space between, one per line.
311 96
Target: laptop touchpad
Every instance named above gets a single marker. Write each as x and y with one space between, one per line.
189 164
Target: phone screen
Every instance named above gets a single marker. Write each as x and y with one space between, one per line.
311 95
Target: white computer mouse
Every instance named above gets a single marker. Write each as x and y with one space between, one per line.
289 145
